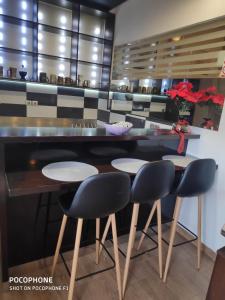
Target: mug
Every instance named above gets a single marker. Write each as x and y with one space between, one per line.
68 81
12 72
53 78
1 71
60 80
43 77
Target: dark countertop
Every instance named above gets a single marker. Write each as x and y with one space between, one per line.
60 134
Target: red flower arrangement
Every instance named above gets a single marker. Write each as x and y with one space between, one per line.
184 91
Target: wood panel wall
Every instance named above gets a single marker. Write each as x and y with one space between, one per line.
192 52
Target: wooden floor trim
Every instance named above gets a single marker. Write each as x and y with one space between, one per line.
205 249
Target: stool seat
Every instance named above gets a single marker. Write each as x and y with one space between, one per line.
129 165
53 155
69 171
179 160
107 151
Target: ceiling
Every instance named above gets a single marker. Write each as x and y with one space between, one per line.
102 4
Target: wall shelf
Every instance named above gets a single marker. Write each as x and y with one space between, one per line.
53 84
76 40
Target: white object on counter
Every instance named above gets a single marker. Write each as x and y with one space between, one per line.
179 160
69 171
129 165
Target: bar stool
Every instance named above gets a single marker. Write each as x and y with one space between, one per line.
112 149
153 182
42 156
196 181
97 197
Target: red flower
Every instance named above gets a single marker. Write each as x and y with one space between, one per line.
184 86
184 90
218 99
211 89
191 98
172 93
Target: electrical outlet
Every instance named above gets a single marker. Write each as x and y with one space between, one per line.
35 103
28 102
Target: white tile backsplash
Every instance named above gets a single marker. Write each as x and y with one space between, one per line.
70 101
102 104
42 111
90 113
12 97
116 118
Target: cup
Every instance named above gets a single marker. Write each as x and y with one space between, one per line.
53 79
43 77
1 71
12 72
60 80
68 81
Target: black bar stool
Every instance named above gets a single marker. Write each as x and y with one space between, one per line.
97 197
196 181
152 182
41 157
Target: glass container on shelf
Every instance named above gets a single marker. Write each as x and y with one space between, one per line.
89 75
54 70
23 72
10 61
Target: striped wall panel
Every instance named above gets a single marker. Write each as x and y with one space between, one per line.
192 52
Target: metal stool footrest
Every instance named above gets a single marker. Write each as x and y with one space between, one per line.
181 243
92 273
142 253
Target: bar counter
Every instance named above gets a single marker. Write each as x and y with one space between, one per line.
21 183
47 134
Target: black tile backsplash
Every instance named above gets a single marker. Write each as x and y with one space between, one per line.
103 115
70 91
12 86
43 99
70 112
13 110
90 102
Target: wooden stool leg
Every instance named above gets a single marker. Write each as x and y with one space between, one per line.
199 241
116 255
172 236
59 243
75 258
159 223
147 225
105 234
130 243
97 239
